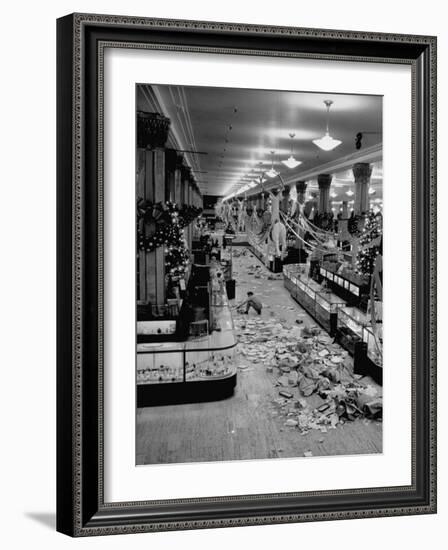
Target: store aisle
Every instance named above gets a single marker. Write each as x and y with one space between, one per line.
254 422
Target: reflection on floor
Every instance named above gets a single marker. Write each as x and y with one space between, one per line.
246 426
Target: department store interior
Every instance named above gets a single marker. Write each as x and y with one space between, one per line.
258 274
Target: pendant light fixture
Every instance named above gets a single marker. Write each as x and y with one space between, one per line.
272 173
327 143
349 193
291 162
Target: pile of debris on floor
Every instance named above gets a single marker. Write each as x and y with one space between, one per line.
317 389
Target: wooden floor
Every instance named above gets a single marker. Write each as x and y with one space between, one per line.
247 425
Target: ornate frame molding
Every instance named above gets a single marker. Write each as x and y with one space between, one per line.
81 42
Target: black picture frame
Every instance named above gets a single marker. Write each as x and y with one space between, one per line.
81 510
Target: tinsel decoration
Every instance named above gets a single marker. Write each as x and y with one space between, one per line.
372 231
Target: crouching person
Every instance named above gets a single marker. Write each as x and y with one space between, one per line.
253 302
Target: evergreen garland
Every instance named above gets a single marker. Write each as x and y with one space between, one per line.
372 231
353 225
169 221
166 216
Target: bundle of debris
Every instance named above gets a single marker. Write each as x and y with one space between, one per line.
317 387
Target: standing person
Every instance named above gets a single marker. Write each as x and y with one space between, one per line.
252 301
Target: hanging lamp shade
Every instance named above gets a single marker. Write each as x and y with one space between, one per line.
327 143
271 173
291 162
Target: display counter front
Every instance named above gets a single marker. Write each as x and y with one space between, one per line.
351 323
356 334
202 368
320 303
348 285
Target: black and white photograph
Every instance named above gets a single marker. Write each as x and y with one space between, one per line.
259 274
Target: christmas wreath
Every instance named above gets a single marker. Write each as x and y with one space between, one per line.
168 222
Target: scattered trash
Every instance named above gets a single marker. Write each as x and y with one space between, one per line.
317 389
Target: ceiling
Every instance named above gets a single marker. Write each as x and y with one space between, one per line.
236 129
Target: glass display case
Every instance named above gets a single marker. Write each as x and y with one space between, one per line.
319 302
374 340
327 307
344 282
202 368
350 325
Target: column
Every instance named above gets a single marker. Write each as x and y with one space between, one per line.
275 208
301 191
152 133
301 186
249 205
324 182
362 172
178 180
188 230
284 206
185 175
343 234
170 174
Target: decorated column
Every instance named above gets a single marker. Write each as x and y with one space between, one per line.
324 182
189 202
284 206
178 180
301 192
275 205
343 233
362 172
170 174
152 134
